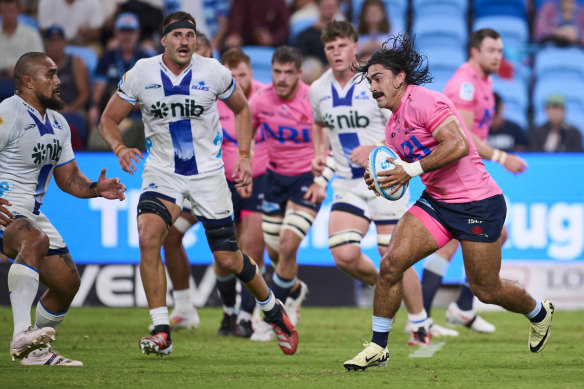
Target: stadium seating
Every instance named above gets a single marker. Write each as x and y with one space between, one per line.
559 63
396 10
298 26
516 98
443 63
443 32
437 8
483 8
261 62
572 92
88 56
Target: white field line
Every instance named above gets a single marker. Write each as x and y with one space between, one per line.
427 351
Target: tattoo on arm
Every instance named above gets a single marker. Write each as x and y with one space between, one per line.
69 262
80 184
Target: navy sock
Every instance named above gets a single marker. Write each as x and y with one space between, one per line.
540 315
295 293
280 287
248 302
465 298
430 284
226 288
380 338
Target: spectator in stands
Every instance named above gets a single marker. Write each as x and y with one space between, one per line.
74 83
81 20
150 13
560 22
374 26
258 22
110 69
203 47
308 41
15 39
556 135
212 17
503 134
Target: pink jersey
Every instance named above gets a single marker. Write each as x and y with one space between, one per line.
470 92
409 132
287 126
229 146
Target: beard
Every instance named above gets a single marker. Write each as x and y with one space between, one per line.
54 103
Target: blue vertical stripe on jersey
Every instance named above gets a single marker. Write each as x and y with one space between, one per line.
347 100
349 141
184 88
42 181
182 143
45 128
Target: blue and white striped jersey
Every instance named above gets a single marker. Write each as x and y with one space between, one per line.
31 146
181 121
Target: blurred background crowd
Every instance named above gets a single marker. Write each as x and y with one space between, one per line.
539 87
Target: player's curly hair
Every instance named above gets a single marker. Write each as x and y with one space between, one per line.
398 54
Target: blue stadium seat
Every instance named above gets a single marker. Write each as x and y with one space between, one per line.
442 64
559 63
88 56
261 62
396 9
424 8
484 8
513 30
443 32
298 26
515 96
572 92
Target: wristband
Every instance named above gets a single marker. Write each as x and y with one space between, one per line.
244 154
413 169
93 189
118 148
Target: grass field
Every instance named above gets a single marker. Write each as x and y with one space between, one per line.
106 340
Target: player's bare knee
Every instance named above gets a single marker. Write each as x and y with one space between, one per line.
390 270
484 293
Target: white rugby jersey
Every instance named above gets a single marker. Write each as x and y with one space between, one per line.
30 148
352 117
181 122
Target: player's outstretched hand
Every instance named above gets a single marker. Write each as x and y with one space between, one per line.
242 172
125 157
360 155
315 194
515 164
110 188
317 165
6 217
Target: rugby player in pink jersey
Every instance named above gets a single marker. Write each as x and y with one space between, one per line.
282 110
460 201
471 91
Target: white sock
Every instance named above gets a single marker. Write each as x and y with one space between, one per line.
243 315
159 316
269 304
45 318
418 317
182 300
436 264
23 285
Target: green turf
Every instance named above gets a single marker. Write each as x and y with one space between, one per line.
106 340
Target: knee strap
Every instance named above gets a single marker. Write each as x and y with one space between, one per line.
249 270
298 222
151 204
271 227
343 237
221 238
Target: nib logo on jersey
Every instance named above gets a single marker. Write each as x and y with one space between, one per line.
46 152
350 120
161 110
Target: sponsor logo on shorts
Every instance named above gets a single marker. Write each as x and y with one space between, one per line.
151 186
478 230
474 221
270 207
224 212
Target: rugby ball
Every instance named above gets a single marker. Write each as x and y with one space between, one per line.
377 163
